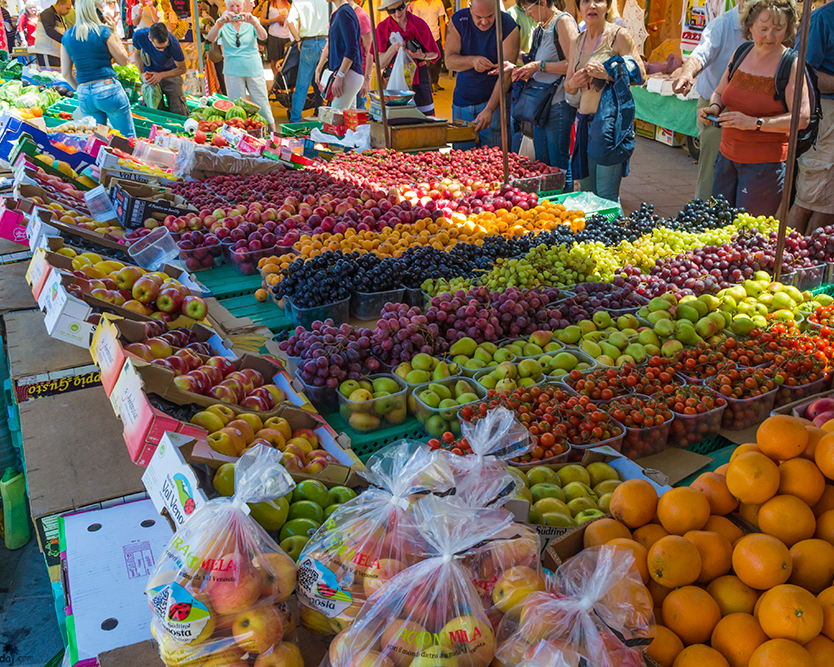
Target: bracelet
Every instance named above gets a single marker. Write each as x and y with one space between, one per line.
541 66
340 74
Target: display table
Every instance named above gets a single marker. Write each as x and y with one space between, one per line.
666 111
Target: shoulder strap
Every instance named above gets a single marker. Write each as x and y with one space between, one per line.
556 35
783 76
738 56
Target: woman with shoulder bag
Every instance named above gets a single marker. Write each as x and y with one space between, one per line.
586 79
550 54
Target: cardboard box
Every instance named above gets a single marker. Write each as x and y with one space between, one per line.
67 317
342 473
140 654
13 222
171 482
130 331
797 408
626 468
645 129
669 137
143 425
107 557
74 460
136 203
40 366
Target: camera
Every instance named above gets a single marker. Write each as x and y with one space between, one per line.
236 17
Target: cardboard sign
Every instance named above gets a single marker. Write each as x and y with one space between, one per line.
107 353
66 315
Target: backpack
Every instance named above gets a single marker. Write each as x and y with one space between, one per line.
806 138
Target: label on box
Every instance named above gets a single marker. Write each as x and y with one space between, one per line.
171 482
32 387
107 353
37 272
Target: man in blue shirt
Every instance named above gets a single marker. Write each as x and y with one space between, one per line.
708 62
161 63
814 204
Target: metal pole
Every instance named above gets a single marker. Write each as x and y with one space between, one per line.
502 99
798 92
198 40
375 42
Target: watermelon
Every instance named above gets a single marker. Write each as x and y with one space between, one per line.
222 105
235 112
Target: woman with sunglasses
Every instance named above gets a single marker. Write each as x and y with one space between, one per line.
342 55
551 51
243 69
417 42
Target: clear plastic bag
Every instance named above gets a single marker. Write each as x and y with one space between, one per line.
217 592
595 608
429 614
369 539
545 654
402 71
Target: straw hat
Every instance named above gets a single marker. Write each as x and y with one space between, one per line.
391 3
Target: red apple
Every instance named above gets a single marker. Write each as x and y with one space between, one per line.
191 358
224 364
223 393
169 300
243 379
137 307
236 387
127 277
255 403
195 307
188 383
178 365
145 290
213 373
159 347
255 376
140 350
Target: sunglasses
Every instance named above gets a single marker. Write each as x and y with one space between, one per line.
237 39
394 10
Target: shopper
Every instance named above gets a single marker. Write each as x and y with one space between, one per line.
552 42
708 63
243 68
91 47
526 25
750 169
434 14
275 22
814 205
342 56
472 52
50 32
161 62
308 24
144 14
366 36
586 79
415 32
27 23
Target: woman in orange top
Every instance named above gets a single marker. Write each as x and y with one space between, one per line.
750 169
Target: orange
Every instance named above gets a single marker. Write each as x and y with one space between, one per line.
732 595
801 478
782 437
714 487
664 647
743 449
674 561
787 518
826 502
604 530
826 599
691 613
790 612
699 655
814 436
722 470
761 561
682 509
716 554
736 637
658 592
638 551
723 526
824 455
813 565
825 526
649 534
750 513
821 649
753 478
634 503
780 653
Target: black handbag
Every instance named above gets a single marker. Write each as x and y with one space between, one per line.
532 105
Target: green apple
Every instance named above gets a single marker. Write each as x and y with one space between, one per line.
578 505
588 515
607 486
605 502
329 510
224 480
540 491
311 489
543 475
576 490
546 505
535 517
306 509
573 473
271 514
294 545
520 476
385 384
300 526
558 520
340 494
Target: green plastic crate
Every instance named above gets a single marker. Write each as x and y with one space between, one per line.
609 212
298 129
825 289
365 445
548 194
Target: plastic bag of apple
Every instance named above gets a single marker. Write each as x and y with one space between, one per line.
217 591
367 540
595 611
429 614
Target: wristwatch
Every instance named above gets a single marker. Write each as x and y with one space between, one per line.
759 123
541 66
340 74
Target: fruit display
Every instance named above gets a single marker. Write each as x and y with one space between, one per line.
373 401
647 421
698 411
753 303
750 394
292 517
227 603
200 251
437 404
686 320
424 368
508 376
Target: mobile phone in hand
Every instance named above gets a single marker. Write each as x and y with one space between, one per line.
713 119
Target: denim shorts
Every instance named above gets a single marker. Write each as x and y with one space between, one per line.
105 100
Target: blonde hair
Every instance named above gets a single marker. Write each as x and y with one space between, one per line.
86 19
784 11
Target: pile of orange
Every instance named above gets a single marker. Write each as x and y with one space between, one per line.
725 595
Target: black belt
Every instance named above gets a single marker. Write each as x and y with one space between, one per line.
304 39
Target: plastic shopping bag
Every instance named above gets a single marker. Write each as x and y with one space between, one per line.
217 593
403 69
368 539
429 614
595 609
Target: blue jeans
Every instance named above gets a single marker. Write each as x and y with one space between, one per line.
308 61
758 188
603 181
106 100
490 136
552 142
361 102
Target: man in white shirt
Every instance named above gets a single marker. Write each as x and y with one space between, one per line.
308 22
708 62
434 13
